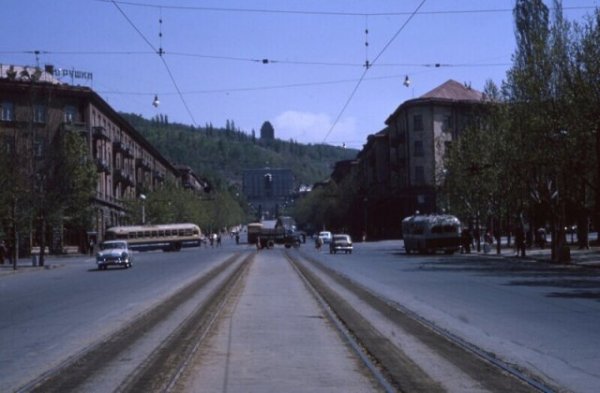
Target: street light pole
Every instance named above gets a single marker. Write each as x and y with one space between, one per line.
143 198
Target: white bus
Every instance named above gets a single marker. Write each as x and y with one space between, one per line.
427 233
168 237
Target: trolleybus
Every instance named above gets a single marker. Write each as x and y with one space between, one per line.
427 233
168 237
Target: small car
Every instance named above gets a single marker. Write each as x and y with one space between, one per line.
325 237
113 252
340 242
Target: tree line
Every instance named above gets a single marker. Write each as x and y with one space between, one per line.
532 158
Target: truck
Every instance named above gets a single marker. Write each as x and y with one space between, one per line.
267 233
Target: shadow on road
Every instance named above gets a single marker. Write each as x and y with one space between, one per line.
570 282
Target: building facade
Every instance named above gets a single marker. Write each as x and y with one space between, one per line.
400 168
268 190
35 107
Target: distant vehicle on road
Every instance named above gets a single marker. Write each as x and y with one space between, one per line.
270 232
113 252
340 242
325 237
167 237
428 233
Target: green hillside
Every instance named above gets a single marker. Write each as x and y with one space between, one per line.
221 154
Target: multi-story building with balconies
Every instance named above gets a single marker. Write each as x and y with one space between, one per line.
34 107
401 167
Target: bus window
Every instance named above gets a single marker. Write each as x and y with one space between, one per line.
154 234
121 236
196 232
181 232
140 234
161 233
146 233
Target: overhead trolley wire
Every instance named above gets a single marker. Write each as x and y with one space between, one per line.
323 13
160 52
385 47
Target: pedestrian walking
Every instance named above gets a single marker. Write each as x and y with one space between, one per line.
2 252
520 240
466 240
318 243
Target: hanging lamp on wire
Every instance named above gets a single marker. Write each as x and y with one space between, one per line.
406 81
156 101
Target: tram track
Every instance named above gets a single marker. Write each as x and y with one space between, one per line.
159 370
396 366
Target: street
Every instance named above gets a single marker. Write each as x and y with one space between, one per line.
540 318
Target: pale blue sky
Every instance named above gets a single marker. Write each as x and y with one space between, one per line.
316 48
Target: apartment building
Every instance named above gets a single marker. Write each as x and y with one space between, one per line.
401 167
34 107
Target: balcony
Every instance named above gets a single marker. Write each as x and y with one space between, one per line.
159 176
122 147
79 128
121 176
143 163
103 166
100 133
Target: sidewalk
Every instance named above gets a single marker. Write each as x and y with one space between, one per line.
579 257
50 262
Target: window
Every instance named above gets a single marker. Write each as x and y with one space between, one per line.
70 114
39 114
448 123
418 123
419 175
7 111
418 149
38 148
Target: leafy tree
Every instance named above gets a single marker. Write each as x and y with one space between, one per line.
64 186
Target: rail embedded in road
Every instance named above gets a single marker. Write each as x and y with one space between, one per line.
483 369
162 366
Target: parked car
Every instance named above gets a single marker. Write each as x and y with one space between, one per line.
325 237
113 252
340 242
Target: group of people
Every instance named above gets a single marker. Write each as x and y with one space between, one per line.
213 239
523 240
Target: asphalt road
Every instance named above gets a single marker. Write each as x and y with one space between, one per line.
539 317
48 315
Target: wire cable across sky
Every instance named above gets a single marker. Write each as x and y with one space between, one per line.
385 47
162 58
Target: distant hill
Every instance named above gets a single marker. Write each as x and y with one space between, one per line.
221 154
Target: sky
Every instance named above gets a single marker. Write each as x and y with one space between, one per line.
297 64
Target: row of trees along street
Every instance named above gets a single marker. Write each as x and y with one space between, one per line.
534 158
531 159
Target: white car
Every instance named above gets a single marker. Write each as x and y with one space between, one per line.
325 237
342 243
113 252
